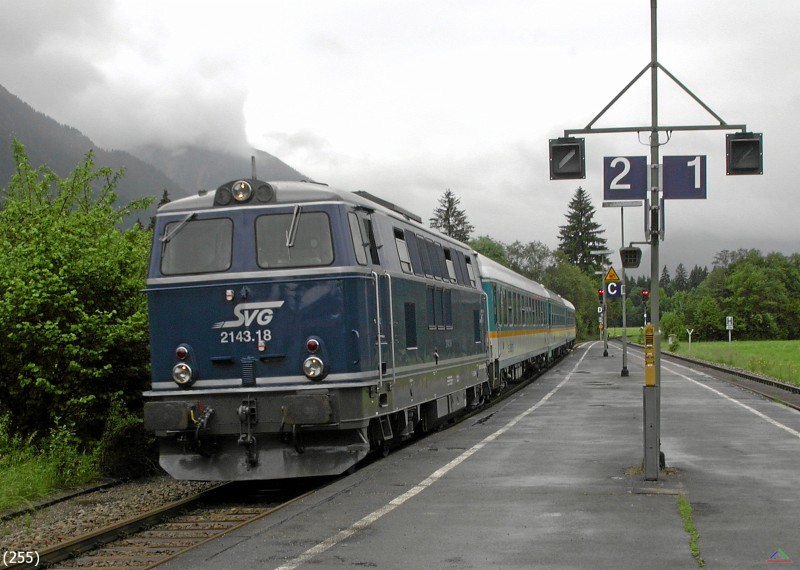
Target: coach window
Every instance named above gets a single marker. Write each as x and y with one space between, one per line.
495 304
402 250
197 246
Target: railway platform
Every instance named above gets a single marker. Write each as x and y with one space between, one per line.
551 478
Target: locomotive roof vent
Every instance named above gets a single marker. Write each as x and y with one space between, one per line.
242 191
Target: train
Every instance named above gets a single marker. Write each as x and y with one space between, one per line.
296 328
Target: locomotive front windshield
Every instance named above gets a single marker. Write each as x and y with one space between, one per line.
299 239
197 246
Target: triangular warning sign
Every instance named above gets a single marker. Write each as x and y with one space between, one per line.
611 275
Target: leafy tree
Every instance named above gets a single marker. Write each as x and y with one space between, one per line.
581 234
530 260
451 220
73 319
571 283
490 248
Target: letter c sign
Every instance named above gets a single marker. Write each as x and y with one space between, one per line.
614 289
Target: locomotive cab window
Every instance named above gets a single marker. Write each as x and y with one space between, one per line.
299 239
197 246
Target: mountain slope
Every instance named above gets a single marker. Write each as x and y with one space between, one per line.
148 171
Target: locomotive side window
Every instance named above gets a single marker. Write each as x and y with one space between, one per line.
402 250
312 244
411 325
358 239
373 248
470 272
199 246
434 259
448 260
413 250
457 259
425 256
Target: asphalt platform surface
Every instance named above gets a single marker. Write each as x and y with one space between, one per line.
552 478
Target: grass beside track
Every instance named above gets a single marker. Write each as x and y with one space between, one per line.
775 358
778 359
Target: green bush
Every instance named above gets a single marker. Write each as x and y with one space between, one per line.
73 319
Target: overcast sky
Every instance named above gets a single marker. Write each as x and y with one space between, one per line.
406 99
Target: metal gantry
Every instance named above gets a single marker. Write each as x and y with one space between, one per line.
744 156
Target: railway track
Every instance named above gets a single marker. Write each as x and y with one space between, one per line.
152 538
783 392
787 394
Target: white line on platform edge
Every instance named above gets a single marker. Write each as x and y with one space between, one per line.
421 486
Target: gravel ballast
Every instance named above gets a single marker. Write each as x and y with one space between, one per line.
49 526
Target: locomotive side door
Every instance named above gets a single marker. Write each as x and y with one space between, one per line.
383 319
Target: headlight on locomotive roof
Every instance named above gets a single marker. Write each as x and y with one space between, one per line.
313 368
182 374
241 191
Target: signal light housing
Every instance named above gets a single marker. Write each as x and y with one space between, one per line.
744 153
567 158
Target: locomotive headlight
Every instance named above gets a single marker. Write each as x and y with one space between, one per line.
241 191
313 368
182 374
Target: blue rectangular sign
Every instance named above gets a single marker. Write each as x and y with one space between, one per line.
613 289
684 177
624 177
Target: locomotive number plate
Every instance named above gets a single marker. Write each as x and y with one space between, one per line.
262 335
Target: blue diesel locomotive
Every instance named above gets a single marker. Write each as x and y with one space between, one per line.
295 328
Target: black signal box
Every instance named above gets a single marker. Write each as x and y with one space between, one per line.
567 158
744 153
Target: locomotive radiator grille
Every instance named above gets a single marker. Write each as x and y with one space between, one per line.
248 371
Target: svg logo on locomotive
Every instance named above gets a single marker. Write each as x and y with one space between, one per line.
247 313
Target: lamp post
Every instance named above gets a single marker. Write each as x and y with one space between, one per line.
622 204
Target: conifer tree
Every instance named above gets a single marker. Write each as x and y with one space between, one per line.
449 219
581 234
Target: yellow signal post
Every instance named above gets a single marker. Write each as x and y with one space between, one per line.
649 356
